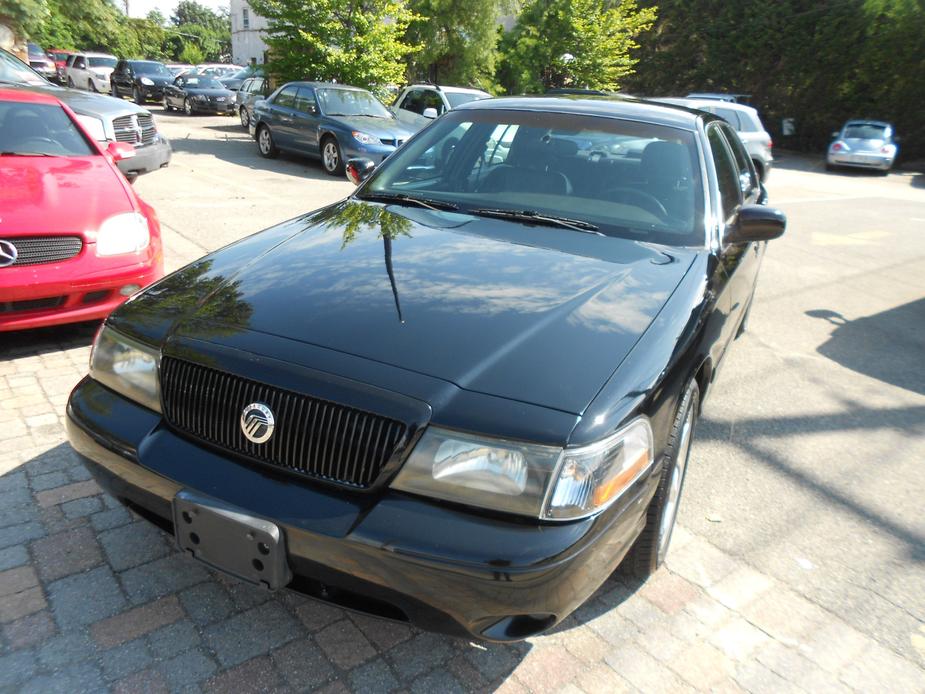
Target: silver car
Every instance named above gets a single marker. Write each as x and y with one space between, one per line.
745 120
863 144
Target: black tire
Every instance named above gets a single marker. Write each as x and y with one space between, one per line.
187 106
137 96
332 161
114 91
830 167
265 144
244 117
166 104
70 82
650 549
91 86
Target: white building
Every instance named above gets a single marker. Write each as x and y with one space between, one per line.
247 34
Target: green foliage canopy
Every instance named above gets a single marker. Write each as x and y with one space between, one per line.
358 42
573 43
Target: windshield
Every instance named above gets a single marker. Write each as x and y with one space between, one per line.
61 56
202 82
350 102
14 71
864 131
150 68
101 62
39 129
615 177
460 98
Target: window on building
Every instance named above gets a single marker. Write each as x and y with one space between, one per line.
246 18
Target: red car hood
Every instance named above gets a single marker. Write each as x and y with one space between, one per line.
41 195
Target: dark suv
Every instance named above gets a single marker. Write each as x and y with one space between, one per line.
143 80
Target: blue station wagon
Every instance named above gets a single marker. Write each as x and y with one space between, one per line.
333 122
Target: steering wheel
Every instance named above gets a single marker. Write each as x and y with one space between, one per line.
40 144
641 199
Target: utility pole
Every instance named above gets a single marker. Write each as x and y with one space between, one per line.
126 8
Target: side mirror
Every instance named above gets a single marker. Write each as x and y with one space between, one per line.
358 170
430 113
756 223
119 151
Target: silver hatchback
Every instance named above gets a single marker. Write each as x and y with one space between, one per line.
863 144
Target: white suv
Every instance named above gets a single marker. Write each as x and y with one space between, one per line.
746 122
418 104
90 71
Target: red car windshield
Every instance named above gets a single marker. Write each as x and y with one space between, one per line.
39 130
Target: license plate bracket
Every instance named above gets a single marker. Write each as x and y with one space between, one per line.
226 538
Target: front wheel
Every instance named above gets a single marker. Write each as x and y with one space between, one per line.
138 97
245 119
114 91
91 85
331 158
166 104
265 143
187 107
651 548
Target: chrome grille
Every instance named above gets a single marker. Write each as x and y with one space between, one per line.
313 437
136 129
36 250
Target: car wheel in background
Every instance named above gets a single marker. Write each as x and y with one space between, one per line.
166 104
245 119
331 158
651 548
265 143
113 91
137 96
187 106
91 85
70 83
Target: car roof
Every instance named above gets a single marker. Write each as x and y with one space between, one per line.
91 54
868 121
326 85
27 97
442 88
700 103
631 108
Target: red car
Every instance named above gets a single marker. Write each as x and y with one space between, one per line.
75 239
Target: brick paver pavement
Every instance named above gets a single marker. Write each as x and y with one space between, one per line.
94 599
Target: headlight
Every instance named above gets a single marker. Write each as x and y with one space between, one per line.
93 126
123 233
365 138
127 367
539 481
591 477
100 75
147 81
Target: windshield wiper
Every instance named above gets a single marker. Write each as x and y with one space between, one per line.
405 198
25 154
539 218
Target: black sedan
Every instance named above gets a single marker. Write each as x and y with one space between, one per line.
143 80
464 395
198 94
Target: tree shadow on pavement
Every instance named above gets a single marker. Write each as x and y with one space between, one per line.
888 346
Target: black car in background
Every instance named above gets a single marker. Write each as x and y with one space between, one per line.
143 80
462 396
192 93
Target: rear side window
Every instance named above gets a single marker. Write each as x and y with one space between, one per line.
730 116
727 174
286 98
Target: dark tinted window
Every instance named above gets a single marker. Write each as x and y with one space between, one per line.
286 98
730 116
34 129
865 131
727 174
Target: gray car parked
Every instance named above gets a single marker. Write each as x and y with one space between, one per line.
863 144
252 90
105 118
747 124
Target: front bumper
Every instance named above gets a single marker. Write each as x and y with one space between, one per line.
152 93
36 304
356 150
148 158
224 107
389 554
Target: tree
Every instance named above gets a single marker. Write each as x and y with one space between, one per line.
458 39
157 17
358 42
22 14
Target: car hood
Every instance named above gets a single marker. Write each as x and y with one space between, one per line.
209 92
88 103
41 195
383 128
535 314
